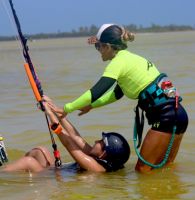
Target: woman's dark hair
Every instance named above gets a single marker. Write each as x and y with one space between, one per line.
116 36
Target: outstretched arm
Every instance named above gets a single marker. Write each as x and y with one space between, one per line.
78 148
109 97
98 98
68 127
84 160
89 97
76 137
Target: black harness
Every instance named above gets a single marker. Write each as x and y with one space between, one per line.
157 94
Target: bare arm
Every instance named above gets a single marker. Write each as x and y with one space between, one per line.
78 148
76 137
70 129
84 160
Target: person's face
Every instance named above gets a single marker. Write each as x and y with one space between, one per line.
98 148
105 50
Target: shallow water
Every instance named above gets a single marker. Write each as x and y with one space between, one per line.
68 67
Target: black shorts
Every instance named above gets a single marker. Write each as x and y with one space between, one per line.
163 119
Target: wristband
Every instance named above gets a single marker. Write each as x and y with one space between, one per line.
56 128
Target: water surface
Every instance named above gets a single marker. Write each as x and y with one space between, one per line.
67 68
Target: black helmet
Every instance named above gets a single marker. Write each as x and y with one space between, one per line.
117 148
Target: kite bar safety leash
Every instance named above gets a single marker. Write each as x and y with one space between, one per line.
33 79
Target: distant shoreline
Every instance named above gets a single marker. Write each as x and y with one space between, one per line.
88 31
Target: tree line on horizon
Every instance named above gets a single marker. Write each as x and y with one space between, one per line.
92 30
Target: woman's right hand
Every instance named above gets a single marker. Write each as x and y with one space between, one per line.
60 113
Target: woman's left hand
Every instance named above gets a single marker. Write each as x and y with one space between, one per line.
85 110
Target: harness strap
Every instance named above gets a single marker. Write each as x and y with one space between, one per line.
166 154
139 125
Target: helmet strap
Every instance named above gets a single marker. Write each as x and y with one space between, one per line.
103 155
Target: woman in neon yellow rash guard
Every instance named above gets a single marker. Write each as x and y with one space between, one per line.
137 78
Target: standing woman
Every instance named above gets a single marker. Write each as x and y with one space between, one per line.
136 78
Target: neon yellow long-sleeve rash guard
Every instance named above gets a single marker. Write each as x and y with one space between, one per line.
132 73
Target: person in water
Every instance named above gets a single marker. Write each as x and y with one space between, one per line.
110 153
136 78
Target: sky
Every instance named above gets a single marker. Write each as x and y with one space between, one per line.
51 16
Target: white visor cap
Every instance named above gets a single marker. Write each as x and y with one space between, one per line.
101 30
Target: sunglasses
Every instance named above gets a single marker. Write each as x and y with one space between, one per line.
97 46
